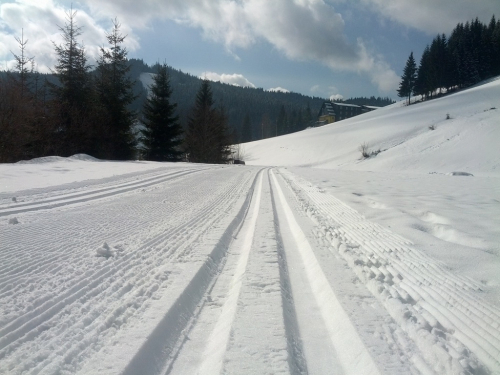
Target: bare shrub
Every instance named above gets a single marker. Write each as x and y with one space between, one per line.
238 152
364 149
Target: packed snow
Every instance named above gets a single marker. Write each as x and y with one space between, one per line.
308 260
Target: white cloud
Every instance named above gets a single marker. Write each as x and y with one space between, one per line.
336 97
279 89
303 30
315 89
232 79
433 16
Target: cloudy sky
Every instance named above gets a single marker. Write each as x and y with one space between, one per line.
326 48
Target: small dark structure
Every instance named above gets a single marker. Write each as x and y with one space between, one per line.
333 111
326 114
237 161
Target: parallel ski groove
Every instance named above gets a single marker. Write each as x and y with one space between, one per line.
92 195
351 352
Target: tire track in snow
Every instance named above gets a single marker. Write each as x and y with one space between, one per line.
133 266
439 310
349 348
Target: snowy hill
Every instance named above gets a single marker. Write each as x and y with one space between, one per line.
467 142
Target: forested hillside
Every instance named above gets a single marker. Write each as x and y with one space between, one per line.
260 108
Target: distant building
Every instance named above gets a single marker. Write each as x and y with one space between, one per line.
343 110
326 114
368 108
332 111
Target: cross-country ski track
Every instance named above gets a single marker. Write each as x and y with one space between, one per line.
225 270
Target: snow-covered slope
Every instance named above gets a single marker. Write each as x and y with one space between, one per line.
468 141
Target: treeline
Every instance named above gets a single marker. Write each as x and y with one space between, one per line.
469 55
372 101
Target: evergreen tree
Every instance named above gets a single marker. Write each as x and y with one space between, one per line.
407 84
495 46
72 97
22 63
308 117
246 129
207 138
115 94
162 133
456 51
282 121
424 73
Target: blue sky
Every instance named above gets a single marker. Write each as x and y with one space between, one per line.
316 47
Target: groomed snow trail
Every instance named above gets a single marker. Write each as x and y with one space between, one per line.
225 270
272 310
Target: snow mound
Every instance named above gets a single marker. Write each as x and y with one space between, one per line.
83 157
55 159
105 251
43 160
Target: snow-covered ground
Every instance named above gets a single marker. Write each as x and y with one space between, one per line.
310 261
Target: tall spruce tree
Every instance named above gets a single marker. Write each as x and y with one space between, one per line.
115 94
494 28
207 138
72 96
282 121
424 73
22 63
407 84
246 129
161 136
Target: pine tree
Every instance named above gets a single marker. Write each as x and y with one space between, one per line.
207 138
407 84
115 94
162 134
72 97
495 42
282 121
308 117
424 74
246 129
22 63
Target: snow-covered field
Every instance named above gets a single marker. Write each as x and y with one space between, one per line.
309 261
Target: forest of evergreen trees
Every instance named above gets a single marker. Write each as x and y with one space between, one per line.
469 55
105 111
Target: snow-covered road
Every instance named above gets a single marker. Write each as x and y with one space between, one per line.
191 269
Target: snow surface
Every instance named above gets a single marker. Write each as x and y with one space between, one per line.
310 261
